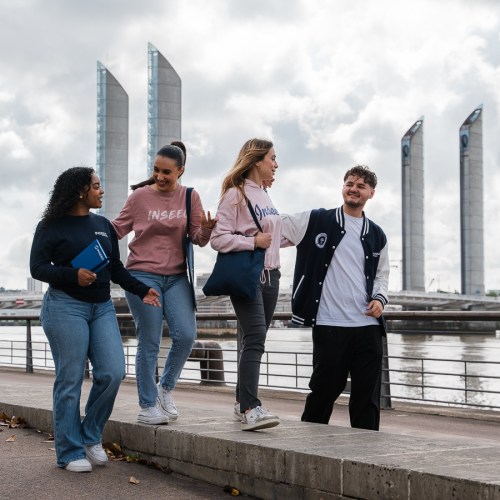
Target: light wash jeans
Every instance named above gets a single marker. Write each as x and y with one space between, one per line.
76 331
177 308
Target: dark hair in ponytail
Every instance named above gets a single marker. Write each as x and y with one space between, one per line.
169 151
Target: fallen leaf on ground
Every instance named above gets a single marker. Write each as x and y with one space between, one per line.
231 489
17 422
133 480
114 451
10 439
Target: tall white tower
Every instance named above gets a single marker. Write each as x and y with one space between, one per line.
164 104
471 204
412 178
112 145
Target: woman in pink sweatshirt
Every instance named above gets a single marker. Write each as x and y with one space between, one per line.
157 214
236 231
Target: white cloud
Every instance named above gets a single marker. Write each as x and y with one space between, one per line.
13 145
333 83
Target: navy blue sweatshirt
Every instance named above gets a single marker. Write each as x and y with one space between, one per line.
58 241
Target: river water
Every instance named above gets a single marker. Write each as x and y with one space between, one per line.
450 362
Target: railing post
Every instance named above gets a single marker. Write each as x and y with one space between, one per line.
29 348
465 382
385 394
422 378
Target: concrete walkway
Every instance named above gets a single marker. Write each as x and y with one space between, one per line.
421 452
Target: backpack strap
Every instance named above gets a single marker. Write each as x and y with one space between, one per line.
188 206
187 246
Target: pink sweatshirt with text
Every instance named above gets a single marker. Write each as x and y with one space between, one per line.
159 222
235 217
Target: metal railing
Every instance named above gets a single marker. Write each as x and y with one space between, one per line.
437 380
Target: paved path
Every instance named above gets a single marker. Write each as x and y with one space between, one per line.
466 442
28 472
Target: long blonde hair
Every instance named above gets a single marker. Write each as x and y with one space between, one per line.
253 151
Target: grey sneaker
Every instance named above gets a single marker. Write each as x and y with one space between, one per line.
258 418
237 415
152 415
81 465
96 454
166 403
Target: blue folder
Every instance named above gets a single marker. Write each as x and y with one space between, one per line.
93 257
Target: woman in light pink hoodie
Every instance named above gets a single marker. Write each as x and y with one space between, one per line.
235 231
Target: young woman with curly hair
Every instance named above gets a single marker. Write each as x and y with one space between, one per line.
77 314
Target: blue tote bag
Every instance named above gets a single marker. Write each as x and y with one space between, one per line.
237 273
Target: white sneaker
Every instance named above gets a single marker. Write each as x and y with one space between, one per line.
96 454
81 465
152 415
258 418
237 415
165 401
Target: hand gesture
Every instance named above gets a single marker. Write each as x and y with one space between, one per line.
207 221
86 277
151 298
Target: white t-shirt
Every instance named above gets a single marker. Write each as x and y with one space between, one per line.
344 299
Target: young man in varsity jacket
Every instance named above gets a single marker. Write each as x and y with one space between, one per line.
340 289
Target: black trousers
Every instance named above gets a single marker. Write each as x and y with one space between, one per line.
254 318
338 351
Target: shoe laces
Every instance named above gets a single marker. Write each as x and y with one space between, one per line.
261 410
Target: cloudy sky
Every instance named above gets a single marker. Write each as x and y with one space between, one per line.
331 82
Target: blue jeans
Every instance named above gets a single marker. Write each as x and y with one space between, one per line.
177 308
76 331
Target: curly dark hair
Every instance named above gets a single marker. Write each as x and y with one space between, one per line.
168 154
66 192
365 173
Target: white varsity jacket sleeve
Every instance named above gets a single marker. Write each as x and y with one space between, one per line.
294 227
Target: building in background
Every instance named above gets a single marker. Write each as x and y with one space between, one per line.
412 180
34 285
112 145
471 204
164 104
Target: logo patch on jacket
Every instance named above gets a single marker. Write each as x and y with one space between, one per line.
376 254
320 240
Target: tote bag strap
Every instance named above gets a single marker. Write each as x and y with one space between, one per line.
249 205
